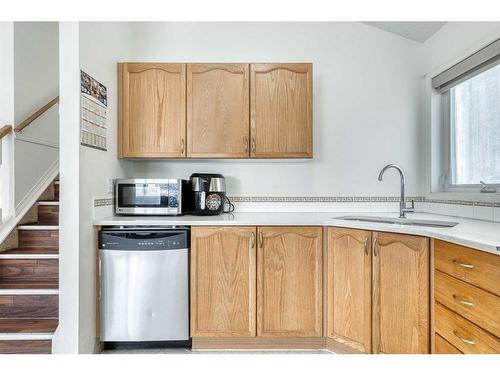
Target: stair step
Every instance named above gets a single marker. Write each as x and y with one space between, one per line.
31 252
33 236
21 343
28 269
14 306
27 325
37 227
48 203
24 285
48 214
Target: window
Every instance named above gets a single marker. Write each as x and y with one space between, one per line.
474 106
465 125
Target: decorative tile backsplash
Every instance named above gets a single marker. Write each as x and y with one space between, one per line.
467 209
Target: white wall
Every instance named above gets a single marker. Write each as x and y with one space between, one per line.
366 103
36 82
67 335
457 40
102 45
36 66
6 117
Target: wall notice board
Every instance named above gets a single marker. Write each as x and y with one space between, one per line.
93 112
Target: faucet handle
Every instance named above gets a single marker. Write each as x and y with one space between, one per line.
409 209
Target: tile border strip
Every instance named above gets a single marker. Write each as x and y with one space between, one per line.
101 202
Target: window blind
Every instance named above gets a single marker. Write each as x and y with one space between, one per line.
478 62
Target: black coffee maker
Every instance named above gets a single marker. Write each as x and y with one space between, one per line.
208 193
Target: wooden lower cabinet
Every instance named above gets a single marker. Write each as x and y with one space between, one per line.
349 272
466 299
223 281
444 347
400 294
378 291
289 282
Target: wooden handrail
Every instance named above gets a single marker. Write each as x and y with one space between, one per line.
35 115
5 130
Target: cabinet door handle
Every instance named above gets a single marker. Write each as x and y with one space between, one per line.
464 265
366 245
470 342
253 145
375 246
182 145
252 240
466 303
245 143
261 239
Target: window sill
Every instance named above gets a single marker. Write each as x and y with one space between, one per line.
464 196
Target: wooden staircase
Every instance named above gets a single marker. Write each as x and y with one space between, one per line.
29 279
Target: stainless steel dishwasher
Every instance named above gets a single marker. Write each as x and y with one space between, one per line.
144 284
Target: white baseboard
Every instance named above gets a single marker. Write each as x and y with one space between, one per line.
43 183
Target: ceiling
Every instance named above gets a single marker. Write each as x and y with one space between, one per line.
417 31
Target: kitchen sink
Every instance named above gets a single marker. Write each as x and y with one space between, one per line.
400 221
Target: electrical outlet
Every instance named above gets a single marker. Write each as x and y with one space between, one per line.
111 185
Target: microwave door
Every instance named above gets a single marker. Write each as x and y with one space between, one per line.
142 196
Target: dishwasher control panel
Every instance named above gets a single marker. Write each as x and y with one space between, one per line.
143 239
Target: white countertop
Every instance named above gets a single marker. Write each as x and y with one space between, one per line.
478 234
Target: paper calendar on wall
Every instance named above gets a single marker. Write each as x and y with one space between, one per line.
93 112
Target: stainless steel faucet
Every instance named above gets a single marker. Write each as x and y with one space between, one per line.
403 209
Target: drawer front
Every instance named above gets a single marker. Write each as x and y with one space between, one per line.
473 266
462 334
475 304
444 347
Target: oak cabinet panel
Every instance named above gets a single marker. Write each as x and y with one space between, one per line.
400 293
223 266
289 282
218 110
464 335
349 273
475 267
474 304
444 347
152 115
281 110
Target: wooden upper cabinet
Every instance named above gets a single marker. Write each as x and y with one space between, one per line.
400 294
281 111
349 289
218 110
152 115
223 267
289 282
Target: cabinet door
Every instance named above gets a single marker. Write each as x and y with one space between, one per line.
281 110
152 110
289 281
400 294
349 274
218 110
223 281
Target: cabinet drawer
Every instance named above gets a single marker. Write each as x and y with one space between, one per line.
475 304
462 334
444 347
473 266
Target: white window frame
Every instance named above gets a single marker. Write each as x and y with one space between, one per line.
438 143
447 156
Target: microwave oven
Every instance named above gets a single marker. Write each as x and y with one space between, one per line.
150 196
